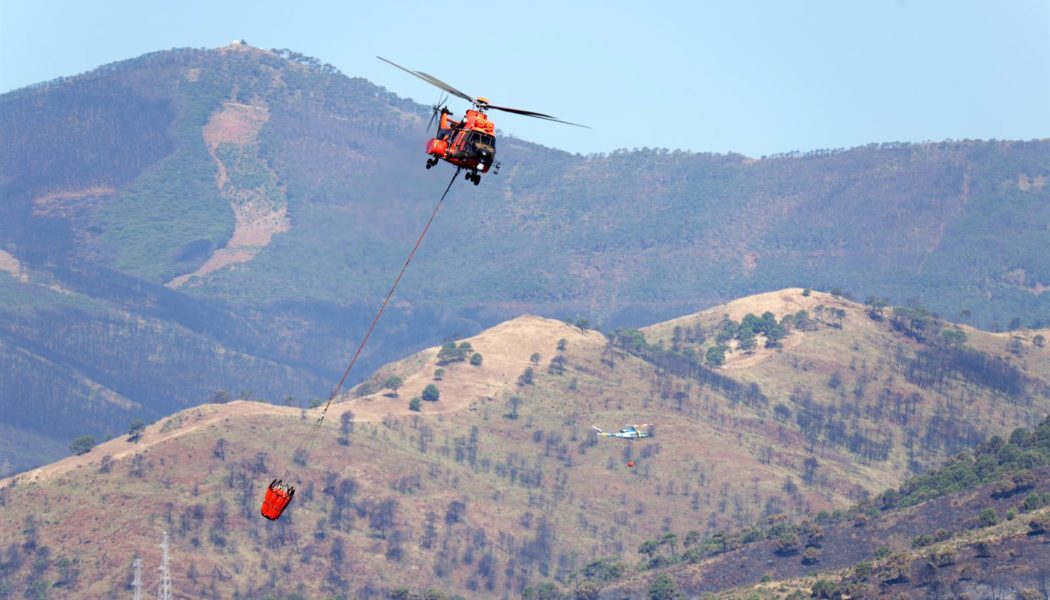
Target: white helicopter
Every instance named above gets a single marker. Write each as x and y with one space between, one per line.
630 432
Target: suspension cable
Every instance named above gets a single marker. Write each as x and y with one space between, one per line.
382 307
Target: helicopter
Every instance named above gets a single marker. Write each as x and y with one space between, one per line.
629 432
471 143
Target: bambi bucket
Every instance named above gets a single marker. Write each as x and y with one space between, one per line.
278 495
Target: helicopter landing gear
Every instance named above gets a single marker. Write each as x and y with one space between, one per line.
431 162
473 177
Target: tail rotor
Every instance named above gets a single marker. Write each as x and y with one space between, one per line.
437 109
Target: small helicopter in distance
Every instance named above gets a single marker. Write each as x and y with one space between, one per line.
471 143
630 432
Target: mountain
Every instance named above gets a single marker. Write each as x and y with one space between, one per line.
499 485
199 223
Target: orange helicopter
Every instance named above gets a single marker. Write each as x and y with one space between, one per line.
471 143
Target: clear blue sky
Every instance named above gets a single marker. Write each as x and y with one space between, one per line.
755 77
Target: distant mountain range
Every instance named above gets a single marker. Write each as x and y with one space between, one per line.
200 222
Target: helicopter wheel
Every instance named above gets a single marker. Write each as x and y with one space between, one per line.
431 162
476 179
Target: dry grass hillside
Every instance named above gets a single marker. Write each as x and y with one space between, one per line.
977 527
849 380
500 484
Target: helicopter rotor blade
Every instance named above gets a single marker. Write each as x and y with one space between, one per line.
530 113
441 84
406 70
451 90
430 79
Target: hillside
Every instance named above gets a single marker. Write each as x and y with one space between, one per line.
496 487
259 201
977 527
889 384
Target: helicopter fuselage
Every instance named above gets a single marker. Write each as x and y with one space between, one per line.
468 144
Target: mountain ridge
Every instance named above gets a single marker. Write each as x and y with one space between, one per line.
507 486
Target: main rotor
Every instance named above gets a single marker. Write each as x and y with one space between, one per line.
480 104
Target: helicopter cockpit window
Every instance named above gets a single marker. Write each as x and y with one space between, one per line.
481 139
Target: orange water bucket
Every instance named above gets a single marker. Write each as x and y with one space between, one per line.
278 495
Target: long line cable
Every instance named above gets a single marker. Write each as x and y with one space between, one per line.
312 434
382 307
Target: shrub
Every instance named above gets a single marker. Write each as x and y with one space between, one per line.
811 555
823 588
135 430
987 518
922 540
889 499
557 365
787 543
1034 501
716 356
751 535
953 337
451 353
782 413
662 588
415 404
431 393
392 383
82 445
604 569
476 359
526 377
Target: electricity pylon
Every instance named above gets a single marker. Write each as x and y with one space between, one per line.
165 575
137 583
